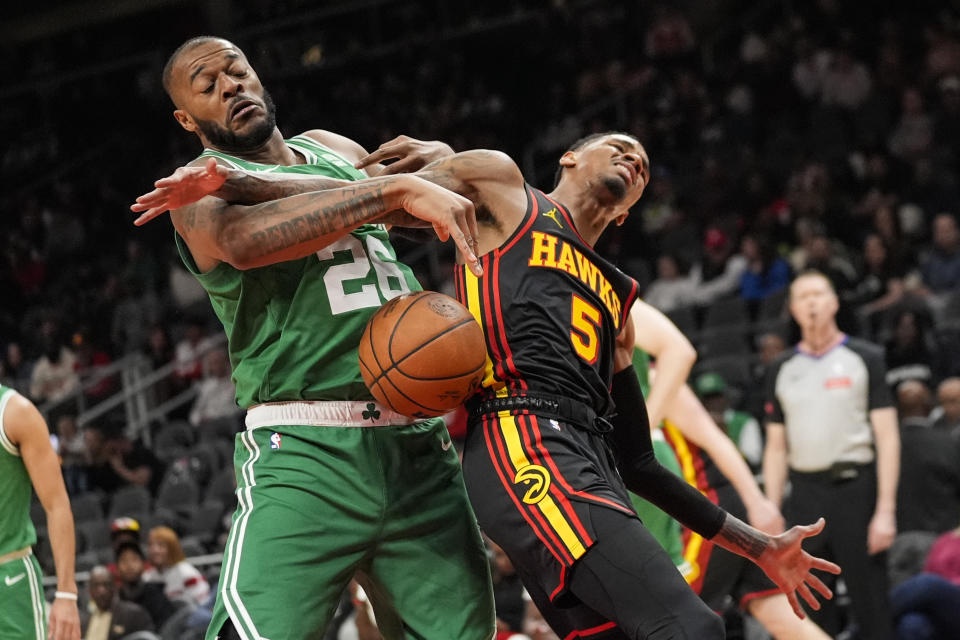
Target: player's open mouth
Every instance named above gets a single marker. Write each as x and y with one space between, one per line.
629 173
243 109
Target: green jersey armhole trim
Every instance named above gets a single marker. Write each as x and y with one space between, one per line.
223 269
303 143
11 448
210 153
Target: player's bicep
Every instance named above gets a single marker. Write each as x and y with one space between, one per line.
28 431
201 226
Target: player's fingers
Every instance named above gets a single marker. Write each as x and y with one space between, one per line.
385 152
819 586
405 164
809 530
441 231
826 565
808 597
156 193
148 216
211 165
474 229
795 604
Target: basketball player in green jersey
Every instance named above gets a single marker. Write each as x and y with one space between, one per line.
27 460
329 482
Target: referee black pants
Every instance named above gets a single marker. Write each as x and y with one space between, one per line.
847 506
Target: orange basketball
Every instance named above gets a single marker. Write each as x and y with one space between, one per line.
422 354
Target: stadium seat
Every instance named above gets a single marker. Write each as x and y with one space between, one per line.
686 320
86 561
220 429
726 312
162 517
774 305
178 493
735 370
129 500
223 487
204 522
86 507
724 341
192 546
96 534
174 440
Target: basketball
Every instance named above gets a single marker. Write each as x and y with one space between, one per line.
422 354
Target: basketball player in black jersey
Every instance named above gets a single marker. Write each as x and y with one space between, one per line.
537 460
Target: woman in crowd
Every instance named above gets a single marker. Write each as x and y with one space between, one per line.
182 580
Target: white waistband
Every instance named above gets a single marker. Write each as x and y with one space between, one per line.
324 414
16 555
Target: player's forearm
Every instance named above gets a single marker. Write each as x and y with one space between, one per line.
62 542
774 472
242 187
297 226
887 440
738 537
640 470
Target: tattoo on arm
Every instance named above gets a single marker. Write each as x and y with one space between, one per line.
313 223
252 188
738 534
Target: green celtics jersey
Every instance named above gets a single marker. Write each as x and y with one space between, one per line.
16 530
293 327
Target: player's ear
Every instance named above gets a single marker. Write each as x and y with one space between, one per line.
620 219
185 120
568 159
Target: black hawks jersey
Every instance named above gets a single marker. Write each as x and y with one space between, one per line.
550 308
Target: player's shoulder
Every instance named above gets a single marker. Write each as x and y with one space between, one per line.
487 163
336 142
21 418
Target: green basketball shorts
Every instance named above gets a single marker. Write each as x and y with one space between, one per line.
317 504
22 607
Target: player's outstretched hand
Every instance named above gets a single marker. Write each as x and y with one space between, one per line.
409 155
184 186
64 623
791 568
451 215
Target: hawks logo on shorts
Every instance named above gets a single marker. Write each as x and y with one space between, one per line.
537 480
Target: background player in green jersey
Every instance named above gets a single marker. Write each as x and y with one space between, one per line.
27 459
329 483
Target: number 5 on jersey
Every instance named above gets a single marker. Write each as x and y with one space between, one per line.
584 325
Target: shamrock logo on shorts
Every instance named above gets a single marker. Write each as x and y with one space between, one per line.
372 413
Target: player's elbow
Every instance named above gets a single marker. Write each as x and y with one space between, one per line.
684 352
240 250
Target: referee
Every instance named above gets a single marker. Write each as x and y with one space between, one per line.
832 428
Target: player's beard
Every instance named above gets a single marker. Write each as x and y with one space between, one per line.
232 142
615 186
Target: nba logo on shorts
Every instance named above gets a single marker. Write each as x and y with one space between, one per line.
275 440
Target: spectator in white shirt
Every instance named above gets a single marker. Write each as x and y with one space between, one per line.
181 579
